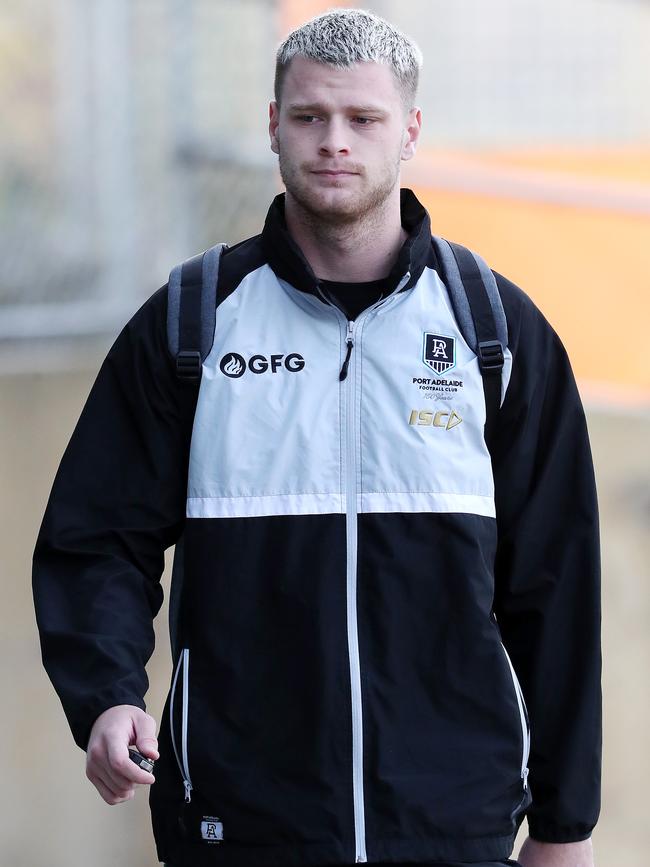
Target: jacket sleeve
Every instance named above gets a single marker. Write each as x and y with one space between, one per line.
117 502
547 597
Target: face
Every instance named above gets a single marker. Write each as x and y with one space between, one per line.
340 135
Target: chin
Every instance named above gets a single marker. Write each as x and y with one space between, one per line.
328 204
338 212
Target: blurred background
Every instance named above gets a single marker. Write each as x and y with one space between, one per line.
134 134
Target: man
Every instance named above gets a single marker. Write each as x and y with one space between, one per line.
349 580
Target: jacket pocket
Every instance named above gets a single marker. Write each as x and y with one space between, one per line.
179 695
523 719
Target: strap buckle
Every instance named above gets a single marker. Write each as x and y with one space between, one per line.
490 353
188 364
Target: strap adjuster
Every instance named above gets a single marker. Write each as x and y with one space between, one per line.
188 364
490 353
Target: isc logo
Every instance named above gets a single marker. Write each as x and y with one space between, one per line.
435 419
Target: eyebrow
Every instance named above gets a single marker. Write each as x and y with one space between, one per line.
358 109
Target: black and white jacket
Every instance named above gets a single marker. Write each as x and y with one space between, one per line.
386 638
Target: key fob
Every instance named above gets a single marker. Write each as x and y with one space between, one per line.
140 760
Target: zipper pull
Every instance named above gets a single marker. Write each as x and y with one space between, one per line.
525 778
344 369
188 789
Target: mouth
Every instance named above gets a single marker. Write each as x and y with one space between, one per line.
335 178
334 173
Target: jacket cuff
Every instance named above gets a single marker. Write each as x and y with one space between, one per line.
82 722
546 832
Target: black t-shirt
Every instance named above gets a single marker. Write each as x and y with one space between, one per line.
352 298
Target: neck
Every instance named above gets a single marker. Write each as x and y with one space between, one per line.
350 252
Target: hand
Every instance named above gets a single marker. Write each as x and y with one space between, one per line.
108 765
534 853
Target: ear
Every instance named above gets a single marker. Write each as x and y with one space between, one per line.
274 120
411 133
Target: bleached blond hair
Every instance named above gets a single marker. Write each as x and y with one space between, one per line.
342 37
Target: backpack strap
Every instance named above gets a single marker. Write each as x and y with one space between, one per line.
479 311
191 305
191 302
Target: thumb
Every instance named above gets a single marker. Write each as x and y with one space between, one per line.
145 735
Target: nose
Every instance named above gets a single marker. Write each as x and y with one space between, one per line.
334 140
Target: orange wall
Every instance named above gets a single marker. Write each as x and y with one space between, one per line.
293 13
587 268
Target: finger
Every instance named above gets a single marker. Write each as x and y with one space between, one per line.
145 732
121 764
148 747
98 764
116 780
121 793
110 795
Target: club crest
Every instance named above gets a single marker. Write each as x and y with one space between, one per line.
439 352
212 829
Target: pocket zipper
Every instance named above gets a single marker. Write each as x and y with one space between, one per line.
184 661
523 716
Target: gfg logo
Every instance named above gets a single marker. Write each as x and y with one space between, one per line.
234 365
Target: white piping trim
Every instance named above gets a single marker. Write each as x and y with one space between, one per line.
521 704
274 504
184 660
322 504
427 501
186 672
171 714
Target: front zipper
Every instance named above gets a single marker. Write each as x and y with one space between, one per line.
350 342
181 758
351 596
523 717
351 566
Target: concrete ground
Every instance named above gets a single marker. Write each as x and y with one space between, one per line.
51 816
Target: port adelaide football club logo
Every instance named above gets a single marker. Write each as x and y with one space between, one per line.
439 352
212 829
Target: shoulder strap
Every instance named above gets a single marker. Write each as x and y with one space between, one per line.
191 302
479 311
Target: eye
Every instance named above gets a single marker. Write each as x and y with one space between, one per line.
306 118
364 121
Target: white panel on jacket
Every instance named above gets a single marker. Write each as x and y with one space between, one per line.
423 409
268 435
266 430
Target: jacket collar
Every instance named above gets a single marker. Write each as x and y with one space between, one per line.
288 262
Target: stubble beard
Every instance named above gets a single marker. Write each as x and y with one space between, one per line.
366 208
